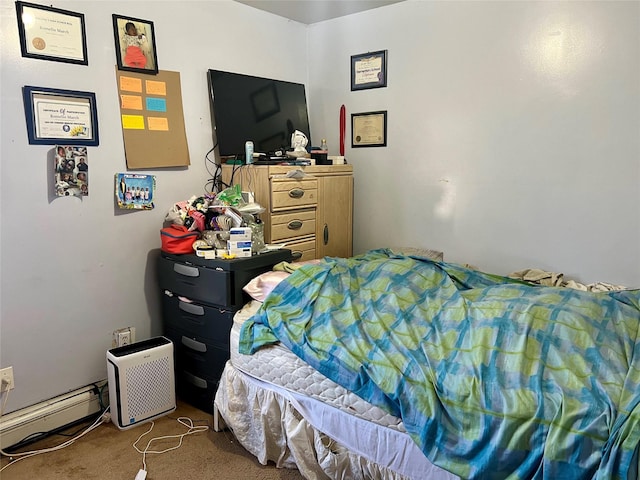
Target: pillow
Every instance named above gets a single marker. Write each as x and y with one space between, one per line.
259 287
436 255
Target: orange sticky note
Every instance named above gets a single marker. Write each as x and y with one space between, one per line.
130 84
158 123
131 102
156 88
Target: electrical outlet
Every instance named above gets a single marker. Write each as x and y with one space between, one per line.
123 336
6 377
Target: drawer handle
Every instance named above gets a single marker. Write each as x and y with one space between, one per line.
193 380
296 193
296 255
191 308
194 345
294 225
325 234
186 270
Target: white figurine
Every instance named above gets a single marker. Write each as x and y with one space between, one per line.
299 143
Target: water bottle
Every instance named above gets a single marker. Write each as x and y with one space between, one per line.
323 146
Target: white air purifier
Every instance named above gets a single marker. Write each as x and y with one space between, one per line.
141 382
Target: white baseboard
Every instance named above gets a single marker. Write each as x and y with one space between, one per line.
49 415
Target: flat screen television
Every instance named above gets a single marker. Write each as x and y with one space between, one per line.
263 110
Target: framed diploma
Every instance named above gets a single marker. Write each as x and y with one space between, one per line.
62 117
369 129
49 33
369 70
135 45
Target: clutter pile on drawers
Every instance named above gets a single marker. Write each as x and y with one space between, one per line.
222 225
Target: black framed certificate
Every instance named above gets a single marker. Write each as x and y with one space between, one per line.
49 33
369 129
369 70
64 117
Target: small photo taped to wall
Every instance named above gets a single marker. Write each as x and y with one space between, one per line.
71 171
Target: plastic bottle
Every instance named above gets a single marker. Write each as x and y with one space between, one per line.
323 146
248 152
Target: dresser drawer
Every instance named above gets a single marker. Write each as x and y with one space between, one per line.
196 282
196 354
303 250
197 390
211 324
293 193
296 224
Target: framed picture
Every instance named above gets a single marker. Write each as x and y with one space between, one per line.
135 44
369 70
369 129
135 192
49 33
64 117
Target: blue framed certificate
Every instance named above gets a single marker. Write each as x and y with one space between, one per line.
65 117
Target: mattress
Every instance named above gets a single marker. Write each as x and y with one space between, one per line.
279 366
369 434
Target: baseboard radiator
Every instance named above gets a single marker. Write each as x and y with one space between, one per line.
50 415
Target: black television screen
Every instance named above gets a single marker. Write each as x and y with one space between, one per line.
262 110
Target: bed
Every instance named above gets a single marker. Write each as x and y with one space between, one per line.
389 365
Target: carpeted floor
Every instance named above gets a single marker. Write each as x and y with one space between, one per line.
107 453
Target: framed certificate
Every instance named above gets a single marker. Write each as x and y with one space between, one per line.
369 129
60 116
369 70
49 33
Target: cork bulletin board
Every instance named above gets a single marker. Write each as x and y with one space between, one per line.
152 119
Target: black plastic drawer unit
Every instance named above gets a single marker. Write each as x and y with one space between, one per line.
199 299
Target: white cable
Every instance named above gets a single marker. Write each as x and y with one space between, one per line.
191 429
103 418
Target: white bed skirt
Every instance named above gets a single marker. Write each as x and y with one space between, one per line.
274 425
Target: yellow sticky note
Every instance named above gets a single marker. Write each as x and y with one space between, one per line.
131 102
133 122
158 123
156 88
130 84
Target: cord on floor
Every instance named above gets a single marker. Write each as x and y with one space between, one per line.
104 418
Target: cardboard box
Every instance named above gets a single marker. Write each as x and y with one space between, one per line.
234 245
240 234
240 252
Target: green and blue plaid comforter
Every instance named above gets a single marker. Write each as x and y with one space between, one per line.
493 378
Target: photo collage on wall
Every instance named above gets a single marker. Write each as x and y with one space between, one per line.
71 171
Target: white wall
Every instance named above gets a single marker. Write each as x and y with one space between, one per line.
73 270
514 142
513 132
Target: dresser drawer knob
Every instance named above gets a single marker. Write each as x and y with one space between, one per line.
296 193
294 225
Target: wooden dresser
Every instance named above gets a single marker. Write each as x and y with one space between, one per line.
312 215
